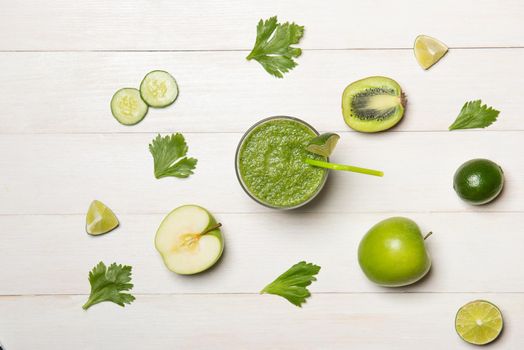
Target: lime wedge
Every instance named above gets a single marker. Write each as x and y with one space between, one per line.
100 219
428 50
479 322
323 144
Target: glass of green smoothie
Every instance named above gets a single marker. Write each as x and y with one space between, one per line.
270 163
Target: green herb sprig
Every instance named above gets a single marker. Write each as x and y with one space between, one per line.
107 284
167 154
475 115
273 48
292 283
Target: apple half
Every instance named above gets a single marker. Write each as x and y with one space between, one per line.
189 240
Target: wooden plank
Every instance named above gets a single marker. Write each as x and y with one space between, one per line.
211 25
60 149
333 321
221 92
469 252
62 174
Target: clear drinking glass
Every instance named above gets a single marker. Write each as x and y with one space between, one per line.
239 175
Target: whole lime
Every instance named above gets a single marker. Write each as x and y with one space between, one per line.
478 181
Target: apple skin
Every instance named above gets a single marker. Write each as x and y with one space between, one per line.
393 253
216 232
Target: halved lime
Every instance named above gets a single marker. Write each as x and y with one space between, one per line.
323 144
428 50
100 219
479 322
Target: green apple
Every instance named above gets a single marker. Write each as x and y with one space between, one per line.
189 240
393 253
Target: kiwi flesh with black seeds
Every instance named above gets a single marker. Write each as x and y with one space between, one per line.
373 104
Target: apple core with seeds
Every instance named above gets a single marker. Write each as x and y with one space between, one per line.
270 163
189 240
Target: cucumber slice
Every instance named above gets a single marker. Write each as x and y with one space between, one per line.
159 89
128 107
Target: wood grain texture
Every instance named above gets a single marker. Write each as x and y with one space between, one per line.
63 173
219 25
60 148
259 247
334 321
222 92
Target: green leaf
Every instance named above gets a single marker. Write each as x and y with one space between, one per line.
108 283
292 283
167 152
273 48
475 115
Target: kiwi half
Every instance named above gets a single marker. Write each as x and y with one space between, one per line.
373 104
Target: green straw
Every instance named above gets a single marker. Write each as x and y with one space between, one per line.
334 166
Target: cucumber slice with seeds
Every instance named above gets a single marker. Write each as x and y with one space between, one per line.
159 89
128 107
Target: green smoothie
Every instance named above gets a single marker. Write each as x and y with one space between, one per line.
270 163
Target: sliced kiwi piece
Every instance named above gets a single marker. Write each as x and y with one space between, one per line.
373 104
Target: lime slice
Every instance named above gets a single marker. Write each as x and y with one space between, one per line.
100 219
323 144
428 50
479 322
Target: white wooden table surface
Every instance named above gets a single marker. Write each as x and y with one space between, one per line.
62 60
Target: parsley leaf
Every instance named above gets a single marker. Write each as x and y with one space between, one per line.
292 283
167 152
474 115
107 284
273 46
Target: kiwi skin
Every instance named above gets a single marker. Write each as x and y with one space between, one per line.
371 121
